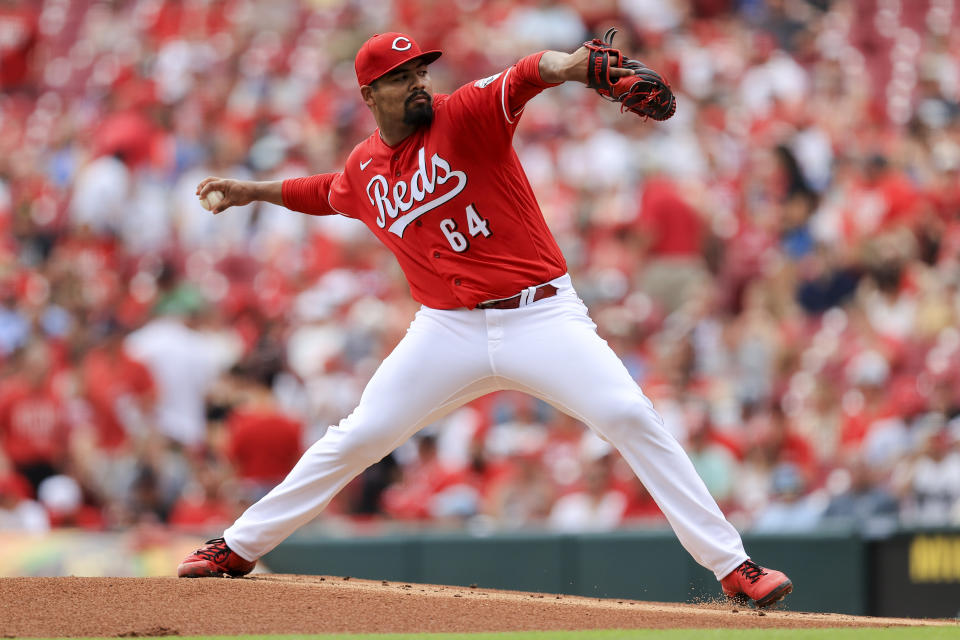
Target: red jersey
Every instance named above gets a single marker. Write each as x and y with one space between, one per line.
263 444
674 227
110 380
451 201
33 427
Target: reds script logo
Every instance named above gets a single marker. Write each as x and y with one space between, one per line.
403 197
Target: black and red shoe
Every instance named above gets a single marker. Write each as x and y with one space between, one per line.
763 586
213 560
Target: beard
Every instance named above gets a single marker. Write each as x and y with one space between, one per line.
418 114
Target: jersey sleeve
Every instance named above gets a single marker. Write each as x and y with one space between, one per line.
494 104
311 195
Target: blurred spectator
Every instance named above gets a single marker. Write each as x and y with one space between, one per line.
33 419
119 390
183 365
598 506
101 194
757 339
204 506
428 489
825 282
868 403
792 261
752 486
20 35
890 306
522 495
373 481
713 457
783 444
65 503
17 511
155 483
790 510
641 507
14 325
866 503
147 503
930 483
262 443
672 236
524 434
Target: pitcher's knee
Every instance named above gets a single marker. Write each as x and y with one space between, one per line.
629 418
360 445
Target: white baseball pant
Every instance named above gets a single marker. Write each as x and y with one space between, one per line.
549 349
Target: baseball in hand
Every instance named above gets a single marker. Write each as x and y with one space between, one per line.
212 200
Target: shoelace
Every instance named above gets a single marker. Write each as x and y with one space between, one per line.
751 571
216 552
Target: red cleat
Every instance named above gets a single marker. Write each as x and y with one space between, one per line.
214 560
763 586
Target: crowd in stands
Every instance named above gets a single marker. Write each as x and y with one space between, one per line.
778 265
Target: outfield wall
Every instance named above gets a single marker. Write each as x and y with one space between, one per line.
904 574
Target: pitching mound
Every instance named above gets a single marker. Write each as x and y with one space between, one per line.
287 604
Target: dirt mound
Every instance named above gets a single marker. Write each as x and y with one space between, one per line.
282 604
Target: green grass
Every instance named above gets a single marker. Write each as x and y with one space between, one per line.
874 633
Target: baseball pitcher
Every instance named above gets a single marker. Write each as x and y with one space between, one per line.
440 185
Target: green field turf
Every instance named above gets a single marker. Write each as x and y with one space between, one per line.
875 633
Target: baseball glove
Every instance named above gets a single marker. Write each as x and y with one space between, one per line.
645 93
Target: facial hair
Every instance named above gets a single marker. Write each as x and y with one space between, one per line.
418 114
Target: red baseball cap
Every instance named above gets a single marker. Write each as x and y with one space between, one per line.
384 52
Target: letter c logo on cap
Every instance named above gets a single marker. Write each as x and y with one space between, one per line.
398 46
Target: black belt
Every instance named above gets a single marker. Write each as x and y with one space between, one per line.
522 299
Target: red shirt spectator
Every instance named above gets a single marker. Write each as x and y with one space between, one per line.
263 444
882 199
640 504
904 201
771 430
411 498
200 513
112 378
33 424
18 38
672 225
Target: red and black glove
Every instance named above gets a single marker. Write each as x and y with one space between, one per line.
645 93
